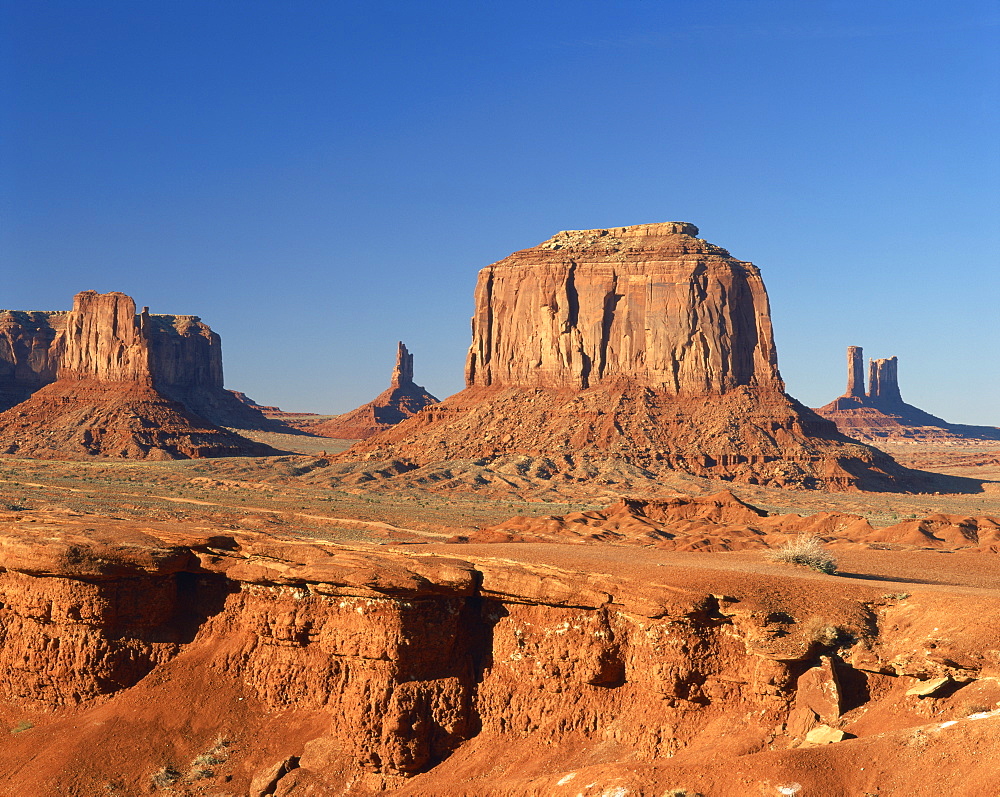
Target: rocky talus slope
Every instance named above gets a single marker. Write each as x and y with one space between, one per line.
598 670
879 414
106 381
601 353
401 400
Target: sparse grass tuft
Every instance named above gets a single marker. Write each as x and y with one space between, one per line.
805 550
166 777
203 766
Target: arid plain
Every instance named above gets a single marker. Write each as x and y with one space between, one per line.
558 582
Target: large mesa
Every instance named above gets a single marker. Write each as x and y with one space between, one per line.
642 349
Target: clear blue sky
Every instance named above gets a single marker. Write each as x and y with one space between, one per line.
318 180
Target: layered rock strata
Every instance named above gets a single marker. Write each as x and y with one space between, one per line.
118 376
880 414
235 663
401 400
27 356
645 346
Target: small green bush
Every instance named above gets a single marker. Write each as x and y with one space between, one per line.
807 551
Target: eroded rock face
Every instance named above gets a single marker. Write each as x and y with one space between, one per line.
403 399
105 381
102 339
27 358
405 672
652 303
603 352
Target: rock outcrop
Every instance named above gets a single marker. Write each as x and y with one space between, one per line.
27 357
651 303
641 346
160 657
722 522
403 399
112 381
880 414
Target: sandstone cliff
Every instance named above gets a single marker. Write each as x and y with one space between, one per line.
639 347
403 399
880 414
161 657
27 358
652 303
110 384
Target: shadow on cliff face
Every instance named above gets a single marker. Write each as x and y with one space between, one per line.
199 597
891 477
152 619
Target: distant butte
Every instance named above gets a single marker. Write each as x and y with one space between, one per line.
403 399
630 350
880 414
102 380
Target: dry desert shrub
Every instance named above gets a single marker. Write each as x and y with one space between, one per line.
166 777
805 550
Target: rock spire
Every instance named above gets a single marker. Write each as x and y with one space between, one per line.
402 373
855 372
883 382
403 399
880 414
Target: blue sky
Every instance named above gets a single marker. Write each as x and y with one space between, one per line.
318 180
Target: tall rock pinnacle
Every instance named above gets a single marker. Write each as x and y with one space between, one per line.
880 414
883 382
402 374
855 372
402 400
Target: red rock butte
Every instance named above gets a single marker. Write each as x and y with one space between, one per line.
103 380
631 347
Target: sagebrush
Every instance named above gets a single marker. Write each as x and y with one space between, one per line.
806 550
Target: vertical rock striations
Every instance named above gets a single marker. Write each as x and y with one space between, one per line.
855 372
102 339
403 399
27 358
650 303
105 381
636 350
883 382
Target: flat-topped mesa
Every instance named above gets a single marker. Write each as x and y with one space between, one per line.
101 380
650 303
625 353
